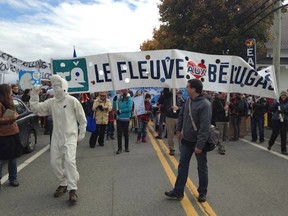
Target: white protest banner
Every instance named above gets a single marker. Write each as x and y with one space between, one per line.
139 107
164 68
11 64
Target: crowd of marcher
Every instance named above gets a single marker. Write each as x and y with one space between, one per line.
244 113
63 117
235 116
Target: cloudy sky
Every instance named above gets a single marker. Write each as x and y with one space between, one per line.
44 29
32 29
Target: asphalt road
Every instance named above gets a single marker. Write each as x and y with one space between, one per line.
249 180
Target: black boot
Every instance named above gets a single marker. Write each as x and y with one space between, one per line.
127 144
118 151
92 140
119 145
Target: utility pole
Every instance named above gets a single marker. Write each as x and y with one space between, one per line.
277 40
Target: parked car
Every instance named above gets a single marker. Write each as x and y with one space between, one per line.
28 125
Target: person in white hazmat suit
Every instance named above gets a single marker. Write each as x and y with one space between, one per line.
69 127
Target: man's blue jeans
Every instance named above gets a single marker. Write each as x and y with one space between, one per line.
183 169
12 169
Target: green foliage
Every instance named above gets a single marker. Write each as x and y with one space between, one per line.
212 27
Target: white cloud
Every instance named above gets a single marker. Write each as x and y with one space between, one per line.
105 26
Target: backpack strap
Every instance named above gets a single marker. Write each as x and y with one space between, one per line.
190 115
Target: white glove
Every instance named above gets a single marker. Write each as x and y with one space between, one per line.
80 137
36 90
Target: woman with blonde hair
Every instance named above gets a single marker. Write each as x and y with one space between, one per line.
101 107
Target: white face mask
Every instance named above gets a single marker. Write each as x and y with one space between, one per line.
58 92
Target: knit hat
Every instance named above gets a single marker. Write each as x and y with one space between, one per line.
283 92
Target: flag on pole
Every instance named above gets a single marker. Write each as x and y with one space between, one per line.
74 52
83 96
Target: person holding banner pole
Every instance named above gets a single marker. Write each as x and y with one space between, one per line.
228 102
174 99
220 108
171 113
180 101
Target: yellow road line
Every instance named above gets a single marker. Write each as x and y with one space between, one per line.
185 202
205 207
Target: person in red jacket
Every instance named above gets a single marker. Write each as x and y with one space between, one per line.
144 119
110 126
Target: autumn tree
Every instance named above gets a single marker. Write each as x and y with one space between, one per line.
212 27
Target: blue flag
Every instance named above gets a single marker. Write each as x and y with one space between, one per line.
74 52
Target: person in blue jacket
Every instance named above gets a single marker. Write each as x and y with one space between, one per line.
123 107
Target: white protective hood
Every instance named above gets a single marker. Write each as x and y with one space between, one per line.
60 87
